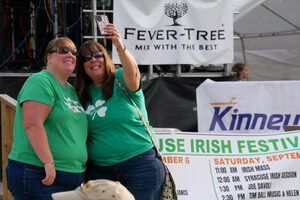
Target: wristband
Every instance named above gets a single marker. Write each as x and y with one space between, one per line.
49 163
122 51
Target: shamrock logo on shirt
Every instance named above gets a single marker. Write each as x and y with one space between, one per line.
97 109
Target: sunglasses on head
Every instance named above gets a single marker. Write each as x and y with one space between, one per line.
64 50
98 54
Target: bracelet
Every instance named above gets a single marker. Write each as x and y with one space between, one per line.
49 163
122 51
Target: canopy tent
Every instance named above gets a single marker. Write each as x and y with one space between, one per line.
268 38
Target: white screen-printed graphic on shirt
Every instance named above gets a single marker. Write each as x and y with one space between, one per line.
97 109
73 105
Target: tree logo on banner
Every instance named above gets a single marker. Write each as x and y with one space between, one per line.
175 11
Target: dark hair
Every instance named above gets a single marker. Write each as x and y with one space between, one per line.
82 80
238 67
58 42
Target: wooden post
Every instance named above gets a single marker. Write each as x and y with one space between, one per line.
8 108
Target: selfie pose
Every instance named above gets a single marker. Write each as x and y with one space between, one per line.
50 130
119 146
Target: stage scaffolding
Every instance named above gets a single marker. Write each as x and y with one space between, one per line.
61 24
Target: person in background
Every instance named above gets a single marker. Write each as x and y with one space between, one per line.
50 130
241 71
119 146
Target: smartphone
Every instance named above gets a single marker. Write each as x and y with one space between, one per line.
102 21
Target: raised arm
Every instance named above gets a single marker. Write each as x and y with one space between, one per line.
34 115
131 71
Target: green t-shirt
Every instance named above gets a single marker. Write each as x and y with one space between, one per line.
66 124
116 132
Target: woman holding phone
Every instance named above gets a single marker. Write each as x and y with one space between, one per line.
119 146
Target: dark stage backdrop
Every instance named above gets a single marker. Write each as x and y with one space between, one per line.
171 102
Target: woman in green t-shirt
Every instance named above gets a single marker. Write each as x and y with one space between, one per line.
50 130
119 146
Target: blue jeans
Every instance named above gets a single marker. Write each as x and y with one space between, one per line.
25 181
142 175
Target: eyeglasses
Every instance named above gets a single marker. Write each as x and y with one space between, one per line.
98 54
64 50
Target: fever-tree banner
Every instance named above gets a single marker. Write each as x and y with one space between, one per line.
233 166
176 32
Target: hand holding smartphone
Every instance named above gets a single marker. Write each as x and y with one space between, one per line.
102 21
